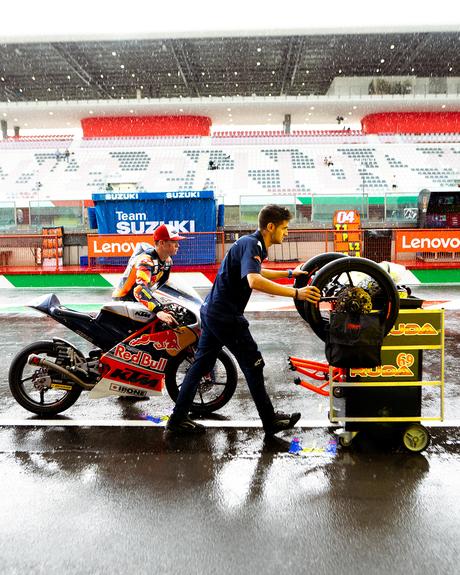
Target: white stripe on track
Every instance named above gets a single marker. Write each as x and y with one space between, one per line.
4 283
207 423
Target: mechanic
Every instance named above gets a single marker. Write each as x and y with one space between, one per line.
223 322
148 269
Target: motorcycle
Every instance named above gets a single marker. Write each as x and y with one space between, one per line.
135 355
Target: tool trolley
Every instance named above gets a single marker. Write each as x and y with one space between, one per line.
387 399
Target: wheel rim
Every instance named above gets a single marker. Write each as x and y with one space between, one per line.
348 272
38 389
312 266
35 385
211 387
416 438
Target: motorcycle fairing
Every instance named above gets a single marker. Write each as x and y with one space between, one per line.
169 342
135 366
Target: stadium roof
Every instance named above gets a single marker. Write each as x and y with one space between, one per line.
274 73
230 67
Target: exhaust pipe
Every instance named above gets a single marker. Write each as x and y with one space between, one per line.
43 362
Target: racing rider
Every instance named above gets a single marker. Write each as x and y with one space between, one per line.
148 269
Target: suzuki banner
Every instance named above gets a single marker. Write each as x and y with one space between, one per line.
136 213
427 241
140 213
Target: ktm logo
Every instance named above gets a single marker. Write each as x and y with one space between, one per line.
413 329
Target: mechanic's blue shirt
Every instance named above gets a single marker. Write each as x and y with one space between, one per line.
231 292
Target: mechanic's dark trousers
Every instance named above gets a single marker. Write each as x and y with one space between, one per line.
235 335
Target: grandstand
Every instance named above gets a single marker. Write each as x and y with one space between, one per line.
233 166
306 120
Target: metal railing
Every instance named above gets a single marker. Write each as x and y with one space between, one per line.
414 248
29 252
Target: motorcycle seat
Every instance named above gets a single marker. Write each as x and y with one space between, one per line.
63 311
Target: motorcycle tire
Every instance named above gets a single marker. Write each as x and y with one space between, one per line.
389 297
311 267
43 402
209 397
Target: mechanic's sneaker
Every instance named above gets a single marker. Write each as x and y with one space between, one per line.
281 421
184 425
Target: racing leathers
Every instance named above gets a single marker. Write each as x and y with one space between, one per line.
143 275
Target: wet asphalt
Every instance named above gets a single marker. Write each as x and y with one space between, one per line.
101 490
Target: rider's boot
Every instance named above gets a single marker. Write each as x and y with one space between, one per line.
183 424
281 421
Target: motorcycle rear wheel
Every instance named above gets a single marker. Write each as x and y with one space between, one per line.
214 391
327 280
30 385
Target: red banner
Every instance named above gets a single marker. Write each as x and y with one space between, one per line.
427 241
114 245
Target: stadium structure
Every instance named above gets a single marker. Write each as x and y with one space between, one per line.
238 117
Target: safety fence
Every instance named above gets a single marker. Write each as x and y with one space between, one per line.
198 248
414 248
31 252
18 216
385 208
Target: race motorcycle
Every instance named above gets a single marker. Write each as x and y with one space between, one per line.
135 355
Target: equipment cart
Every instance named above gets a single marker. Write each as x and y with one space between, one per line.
387 398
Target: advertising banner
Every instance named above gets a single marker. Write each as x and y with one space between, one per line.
413 331
433 241
140 213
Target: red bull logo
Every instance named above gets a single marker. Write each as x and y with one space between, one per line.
142 359
168 340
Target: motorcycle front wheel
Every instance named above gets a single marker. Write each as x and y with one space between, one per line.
38 388
214 390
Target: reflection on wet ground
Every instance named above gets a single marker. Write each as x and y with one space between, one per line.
84 498
230 502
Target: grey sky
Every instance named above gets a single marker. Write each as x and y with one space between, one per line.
80 19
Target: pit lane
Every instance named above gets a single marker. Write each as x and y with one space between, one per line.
132 498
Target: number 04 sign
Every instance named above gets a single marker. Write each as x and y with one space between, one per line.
347 232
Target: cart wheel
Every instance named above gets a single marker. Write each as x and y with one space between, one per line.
345 439
416 438
337 392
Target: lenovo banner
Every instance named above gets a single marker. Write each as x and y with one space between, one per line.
113 246
115 249
427 241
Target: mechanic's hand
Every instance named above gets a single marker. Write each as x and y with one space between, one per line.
298 272
309 293
167 318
